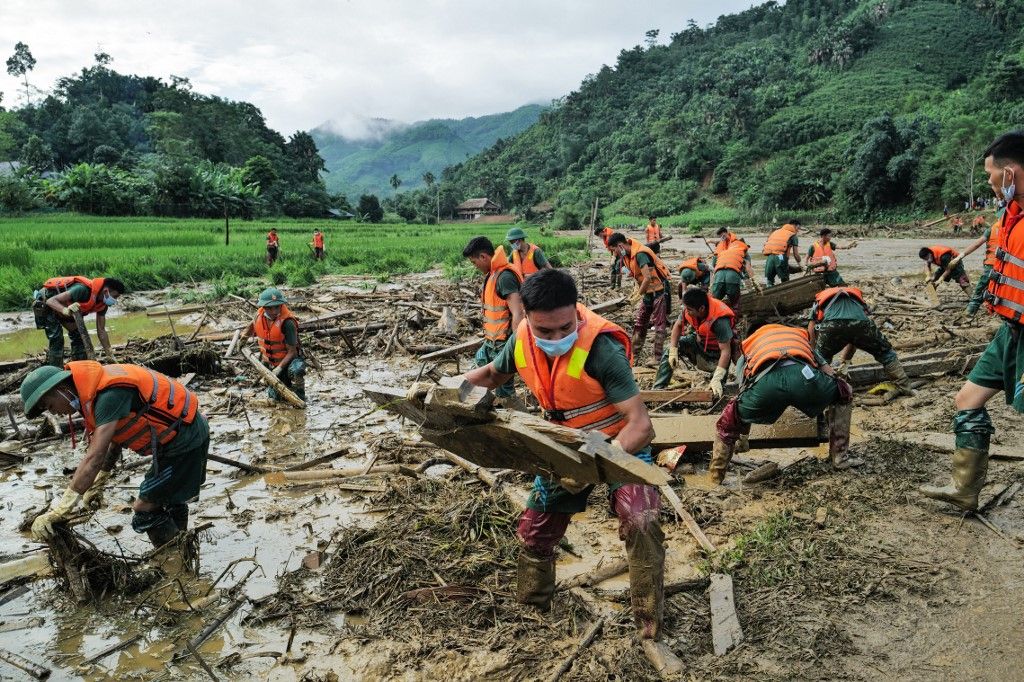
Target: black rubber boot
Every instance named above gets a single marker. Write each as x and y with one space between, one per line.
158 525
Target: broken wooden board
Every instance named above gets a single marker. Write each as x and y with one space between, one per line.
938 362
697 432
794 296
726 632
273 381
946 442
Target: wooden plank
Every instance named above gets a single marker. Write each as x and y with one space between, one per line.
788 298
234 342
726 632
950 362
616 464
270 379
90 352
453 350
662 396
688 520
697 432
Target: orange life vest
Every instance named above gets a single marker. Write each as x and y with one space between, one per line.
820 250
95 303
270 334
732 258
695 265
167 404
605 234
497 316
778 241
1005 295
938 251
823 299
653 233
773 342
568 395
318 240
716 311
661 274
724 243
526 267
272 240
993 243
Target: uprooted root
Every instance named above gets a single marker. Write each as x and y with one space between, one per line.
92 574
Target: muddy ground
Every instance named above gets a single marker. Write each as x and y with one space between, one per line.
837 575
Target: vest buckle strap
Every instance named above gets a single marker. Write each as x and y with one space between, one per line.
555 415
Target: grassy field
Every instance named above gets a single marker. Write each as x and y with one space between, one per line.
150 253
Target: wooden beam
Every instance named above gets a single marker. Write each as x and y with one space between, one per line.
697 432
726 632
687 518
791 297
270 379
453 350
948 362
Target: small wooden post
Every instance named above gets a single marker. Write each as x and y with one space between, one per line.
271 380
90 352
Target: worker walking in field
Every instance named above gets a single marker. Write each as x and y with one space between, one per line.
653 231
948 265
990 238
731 262
126 406
502 305
694 272
318 245
56 302
781 243
840 322
605 234
708 346
277 331
527 258
653 292
780 369
821 257
1000 367
576 363
273 245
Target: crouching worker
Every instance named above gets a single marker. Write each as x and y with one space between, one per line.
780 369
277 331
577 365
136 408
708 347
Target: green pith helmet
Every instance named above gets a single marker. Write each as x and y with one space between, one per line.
37 384
688 276
515 233
271 297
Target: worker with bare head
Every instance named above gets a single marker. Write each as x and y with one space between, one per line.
780 245
653 292
948 264
710 344
652 233
1000 367
576 363
60 298
821 257
732 261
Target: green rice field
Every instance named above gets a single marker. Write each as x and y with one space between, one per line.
151 253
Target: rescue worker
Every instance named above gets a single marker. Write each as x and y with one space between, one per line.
526 257
577 365
990 238
780 244
947 264
277 331
840 322
652 231
57 300
653 292
273 244
694 272
136 408
731 263
780 369
318 245
708 346
821 257
605 233
1000 367
978 224
502 305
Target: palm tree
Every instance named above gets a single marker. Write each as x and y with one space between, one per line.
395 182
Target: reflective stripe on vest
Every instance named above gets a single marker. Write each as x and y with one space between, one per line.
778 241
733 257
775 342
526 267
823 300
1005 293
270 334
497 316
704 329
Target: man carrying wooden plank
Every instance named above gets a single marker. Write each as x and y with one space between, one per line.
780 369
133 407
947 264
732 259
839 322
577 365
821 257
1000 367
780 244
605 234
277 331
57 301
709 346
653 293
502 305
525 256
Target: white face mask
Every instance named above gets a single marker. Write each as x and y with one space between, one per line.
1008 191
75 403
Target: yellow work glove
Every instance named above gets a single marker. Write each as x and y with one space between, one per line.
73 308
42 527
635 296
843 368
716 382
93 497
418 390
673 357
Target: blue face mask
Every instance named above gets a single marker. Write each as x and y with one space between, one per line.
109 300
554 349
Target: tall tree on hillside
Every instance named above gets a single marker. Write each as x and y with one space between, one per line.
19 64
369 209
963 141
395 182
428 179
302 149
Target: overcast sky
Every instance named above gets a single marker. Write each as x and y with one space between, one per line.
305 61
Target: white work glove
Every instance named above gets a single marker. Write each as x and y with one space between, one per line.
673 357
93 497
826 260
418 390
73 308
42 527
716 382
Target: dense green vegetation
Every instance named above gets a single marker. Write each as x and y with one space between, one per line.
849 109
410 152
155 252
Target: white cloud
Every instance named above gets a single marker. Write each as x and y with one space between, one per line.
348 60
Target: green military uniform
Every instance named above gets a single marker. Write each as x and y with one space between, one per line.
783 386
692 348
845 322
727 283
778 265
979 289
507 285
51 323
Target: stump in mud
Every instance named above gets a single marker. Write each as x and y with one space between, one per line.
91 574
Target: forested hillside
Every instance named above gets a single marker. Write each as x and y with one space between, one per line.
408 152
115 144
847 108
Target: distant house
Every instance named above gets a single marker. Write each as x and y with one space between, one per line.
339 214
472 209
543 209
9 167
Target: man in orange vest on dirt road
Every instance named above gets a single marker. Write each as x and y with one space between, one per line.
653 230
947 264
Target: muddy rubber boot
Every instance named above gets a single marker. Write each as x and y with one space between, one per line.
898 376
179 514
665 373
839 419
659 343
536 582
645 551
721 455
970 466
158 525
299 386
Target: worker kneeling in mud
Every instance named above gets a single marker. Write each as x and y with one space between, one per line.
277 330
839 321
136 408
709 346
779 370
577 364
